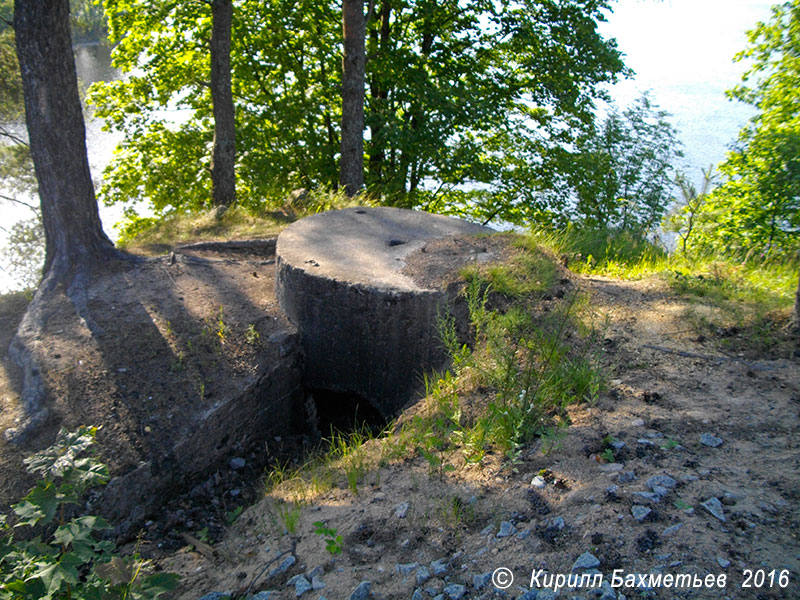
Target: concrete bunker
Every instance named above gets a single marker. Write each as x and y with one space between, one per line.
368 325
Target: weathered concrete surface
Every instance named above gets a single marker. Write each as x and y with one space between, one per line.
366 327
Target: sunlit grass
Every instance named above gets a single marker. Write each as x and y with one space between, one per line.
746 304
156 235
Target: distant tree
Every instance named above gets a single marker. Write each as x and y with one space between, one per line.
623 172
756 209
687 214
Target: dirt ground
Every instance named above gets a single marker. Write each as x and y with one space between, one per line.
667 389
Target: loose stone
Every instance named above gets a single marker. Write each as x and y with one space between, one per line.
362 591
639 512
714 506
506 529
710 440
455 591
586 561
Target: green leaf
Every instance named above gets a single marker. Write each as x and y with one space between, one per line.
39 506
52 575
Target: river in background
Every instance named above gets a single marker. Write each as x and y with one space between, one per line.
681 50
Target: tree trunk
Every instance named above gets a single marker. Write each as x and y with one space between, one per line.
74 238
351 175
223 160
57 136
796 311
380 96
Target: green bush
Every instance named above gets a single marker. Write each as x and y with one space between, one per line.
62 559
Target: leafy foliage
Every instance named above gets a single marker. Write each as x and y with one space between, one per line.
756 208
451 85
68 562
623 173
23 255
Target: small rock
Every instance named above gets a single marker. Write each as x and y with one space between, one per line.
660 491
487 530
423 574
362 591
723 562
671 530
653 434
286 563
729 498
406 568
611 467
710 440
418 595
586 561
538 482
618 445
524 534
647 496
455 591
688 478
661 481
439 567
301 585
266 595
637 423
714 506
607 592
216 596
626 477
317 583
645 442
639 512
558 523
317 571
481 581
506 529
237 463
401 510
528 595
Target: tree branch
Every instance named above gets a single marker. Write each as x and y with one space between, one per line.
14 200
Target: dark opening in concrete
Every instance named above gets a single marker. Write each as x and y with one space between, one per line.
345 412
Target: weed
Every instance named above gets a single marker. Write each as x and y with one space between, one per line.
252 336
289 515
333 541
65 561
232 515
222 329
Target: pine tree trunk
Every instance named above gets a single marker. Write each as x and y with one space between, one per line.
351 174
57 136
74 237
796 311
223 160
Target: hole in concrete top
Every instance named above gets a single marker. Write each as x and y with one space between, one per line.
396 242
361 212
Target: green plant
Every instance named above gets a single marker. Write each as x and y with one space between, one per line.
232 515
252 336
289 514
222 328
63 560
333 541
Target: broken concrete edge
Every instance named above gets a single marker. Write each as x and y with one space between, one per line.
259 244
236 425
